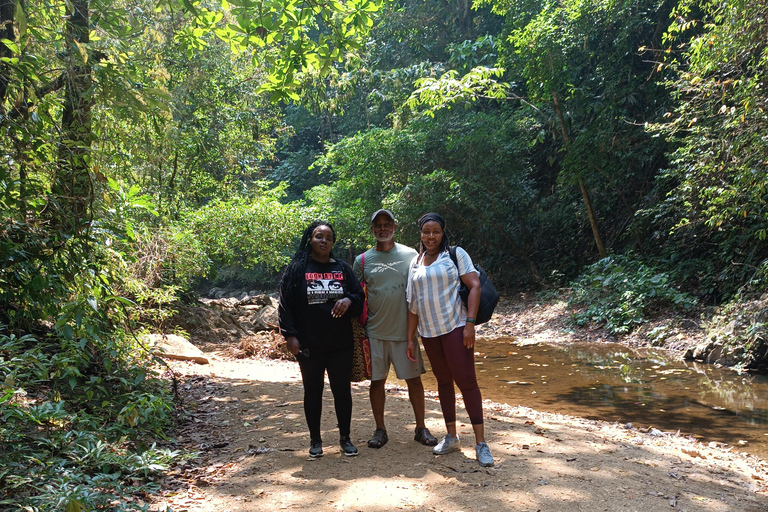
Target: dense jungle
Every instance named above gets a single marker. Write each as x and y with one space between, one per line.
608 155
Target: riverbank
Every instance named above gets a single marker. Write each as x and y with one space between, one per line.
246 418
526 319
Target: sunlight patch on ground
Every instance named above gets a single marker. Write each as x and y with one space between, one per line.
378 494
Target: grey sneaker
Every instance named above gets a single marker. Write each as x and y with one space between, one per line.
315 449
347 447
484 456
447 444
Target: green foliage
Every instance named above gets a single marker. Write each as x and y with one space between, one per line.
248 231
214 135
282 29
480 82
153 305
713 212
443 163
294 170
240 241
168 256
77 384
621 292
414 31
757 284
575 74
471 54
74 429
367 169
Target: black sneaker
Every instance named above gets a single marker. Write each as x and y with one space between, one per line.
347 447
315 449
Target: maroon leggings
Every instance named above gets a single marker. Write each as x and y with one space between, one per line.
452 362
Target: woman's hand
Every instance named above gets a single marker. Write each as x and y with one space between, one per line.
469 335
292 343
341 307
413 324
410 350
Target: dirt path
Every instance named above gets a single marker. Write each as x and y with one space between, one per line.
246 417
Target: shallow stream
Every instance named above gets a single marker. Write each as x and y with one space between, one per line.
612 382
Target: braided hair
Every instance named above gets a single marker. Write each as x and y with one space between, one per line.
444 244
294 272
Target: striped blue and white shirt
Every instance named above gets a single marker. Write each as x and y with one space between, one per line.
433 293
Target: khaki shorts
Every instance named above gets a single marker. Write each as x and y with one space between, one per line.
384 352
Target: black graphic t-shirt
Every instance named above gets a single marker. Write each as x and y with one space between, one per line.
324 286
306 312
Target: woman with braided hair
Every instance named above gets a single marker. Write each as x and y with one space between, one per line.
318 297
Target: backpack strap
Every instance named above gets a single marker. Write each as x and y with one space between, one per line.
452 253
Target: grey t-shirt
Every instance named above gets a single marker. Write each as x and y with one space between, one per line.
386 275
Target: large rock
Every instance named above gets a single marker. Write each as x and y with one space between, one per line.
256 300
216 293
714 353
756 357
173 346
700 351
267 318
761 316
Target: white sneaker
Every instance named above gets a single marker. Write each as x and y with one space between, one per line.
447 444
484 456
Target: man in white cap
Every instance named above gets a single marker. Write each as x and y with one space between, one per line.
385 272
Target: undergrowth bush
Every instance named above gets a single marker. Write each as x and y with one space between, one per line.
757 285
170 256
621 293
82 406
252 231
73 435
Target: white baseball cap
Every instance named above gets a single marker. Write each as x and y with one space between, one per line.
385 212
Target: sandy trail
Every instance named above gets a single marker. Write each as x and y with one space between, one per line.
246 417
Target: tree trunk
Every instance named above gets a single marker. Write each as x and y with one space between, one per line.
592 219
582 186
464 18
73 188
6 32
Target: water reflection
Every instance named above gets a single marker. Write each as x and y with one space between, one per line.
614 383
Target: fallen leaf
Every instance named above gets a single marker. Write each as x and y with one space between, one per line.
258 450
693 453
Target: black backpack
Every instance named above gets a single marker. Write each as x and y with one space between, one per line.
489 297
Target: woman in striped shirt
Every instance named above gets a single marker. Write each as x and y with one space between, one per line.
447 329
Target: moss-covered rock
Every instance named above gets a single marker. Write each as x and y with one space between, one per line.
737 336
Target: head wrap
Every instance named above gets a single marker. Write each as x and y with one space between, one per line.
432 216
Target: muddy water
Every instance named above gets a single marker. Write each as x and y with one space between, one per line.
614 383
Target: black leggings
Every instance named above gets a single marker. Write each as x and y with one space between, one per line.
339 367
453 362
